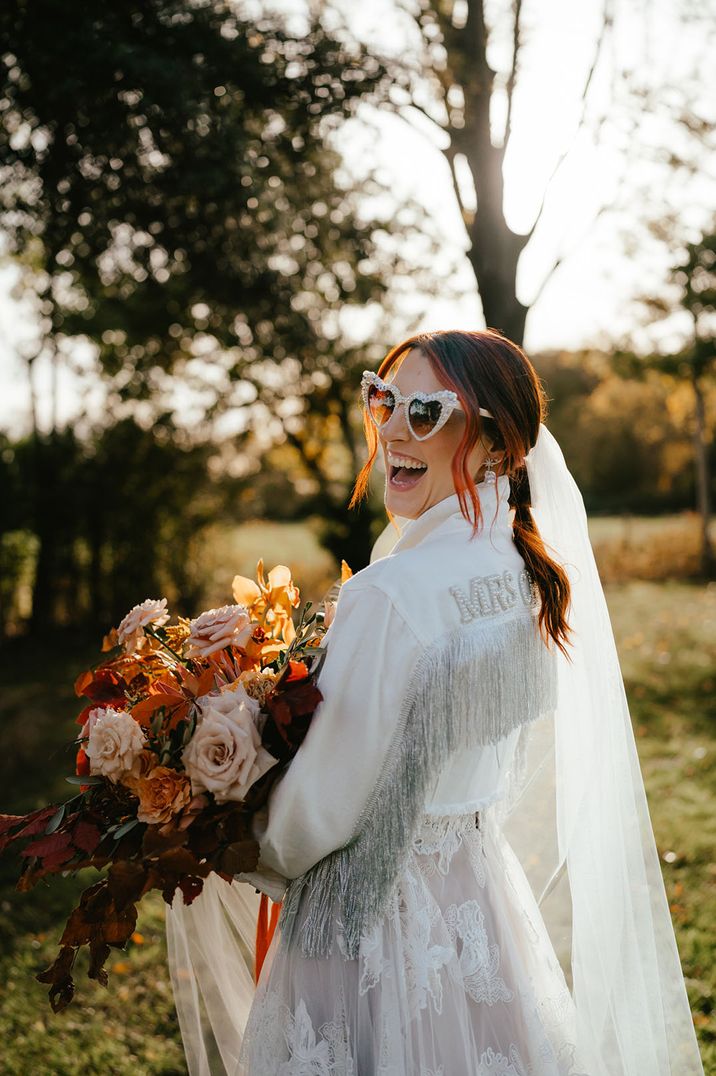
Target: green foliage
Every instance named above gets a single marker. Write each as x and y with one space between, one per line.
176 199
177 184
626 430
111 521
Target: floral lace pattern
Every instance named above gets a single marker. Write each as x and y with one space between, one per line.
442 836
496 1064
287 1044
425 957
431 980
479 961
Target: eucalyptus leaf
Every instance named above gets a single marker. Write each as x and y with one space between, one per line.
75 780
120 832
56 820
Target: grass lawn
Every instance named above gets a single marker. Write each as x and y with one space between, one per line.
666 633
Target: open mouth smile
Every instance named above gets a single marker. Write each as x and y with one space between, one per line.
404 472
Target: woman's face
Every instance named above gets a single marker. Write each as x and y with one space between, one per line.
411 491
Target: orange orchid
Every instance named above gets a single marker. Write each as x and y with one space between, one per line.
271 599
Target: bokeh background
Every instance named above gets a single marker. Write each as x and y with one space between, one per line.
213 217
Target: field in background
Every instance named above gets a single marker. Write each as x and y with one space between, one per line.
666 634
626 547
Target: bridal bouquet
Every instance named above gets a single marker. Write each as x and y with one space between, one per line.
186 728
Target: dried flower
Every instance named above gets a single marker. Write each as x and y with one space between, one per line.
258 683
178 633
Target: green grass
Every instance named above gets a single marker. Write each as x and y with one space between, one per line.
666 634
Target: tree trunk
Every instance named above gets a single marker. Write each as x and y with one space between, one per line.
494 249
347 534
495 267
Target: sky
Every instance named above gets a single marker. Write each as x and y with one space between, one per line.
593 203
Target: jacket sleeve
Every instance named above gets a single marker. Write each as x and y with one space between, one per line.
316 806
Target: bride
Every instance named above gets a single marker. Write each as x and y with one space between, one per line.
466 816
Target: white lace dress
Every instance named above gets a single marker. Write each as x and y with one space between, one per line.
433 665
458 979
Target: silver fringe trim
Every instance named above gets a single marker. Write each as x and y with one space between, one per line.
473 687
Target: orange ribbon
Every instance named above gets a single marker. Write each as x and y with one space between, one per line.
265 926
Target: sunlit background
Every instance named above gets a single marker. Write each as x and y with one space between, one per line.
213 217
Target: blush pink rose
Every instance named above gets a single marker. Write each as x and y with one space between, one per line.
131 630
217 628
225 755
114 743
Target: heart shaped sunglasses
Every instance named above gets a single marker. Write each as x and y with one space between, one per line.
425 412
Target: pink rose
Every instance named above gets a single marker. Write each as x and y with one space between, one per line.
115 742
130 631
217 628
225 755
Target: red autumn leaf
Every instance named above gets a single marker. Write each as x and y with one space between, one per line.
159 839
82 763
86 836
144 711
57 859
102 686
78 929
190 888
180 861
84 713
37 821
126 881
240 856
8 821
49 845
207 682
298 670
59 976
99 951
82 681
117 927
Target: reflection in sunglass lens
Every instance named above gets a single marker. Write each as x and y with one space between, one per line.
381 403
424 416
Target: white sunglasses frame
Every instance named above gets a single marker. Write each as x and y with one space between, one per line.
446 397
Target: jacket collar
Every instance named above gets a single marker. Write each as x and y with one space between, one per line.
493 498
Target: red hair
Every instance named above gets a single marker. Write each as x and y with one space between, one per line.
487 370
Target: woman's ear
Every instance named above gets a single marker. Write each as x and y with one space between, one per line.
493 453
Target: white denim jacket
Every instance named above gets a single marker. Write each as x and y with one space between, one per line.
433 650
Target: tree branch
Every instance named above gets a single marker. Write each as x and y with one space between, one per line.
565 254
510 88
467 216
607 23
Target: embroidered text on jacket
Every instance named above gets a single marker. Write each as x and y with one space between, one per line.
492 594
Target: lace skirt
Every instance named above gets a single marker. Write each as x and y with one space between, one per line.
459 978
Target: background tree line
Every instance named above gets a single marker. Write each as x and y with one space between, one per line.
171 196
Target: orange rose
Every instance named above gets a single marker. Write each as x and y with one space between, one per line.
162 794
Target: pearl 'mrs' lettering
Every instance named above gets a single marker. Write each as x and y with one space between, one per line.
492 594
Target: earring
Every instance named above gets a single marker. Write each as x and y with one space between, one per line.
490 474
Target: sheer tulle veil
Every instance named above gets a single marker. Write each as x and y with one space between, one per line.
577 818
